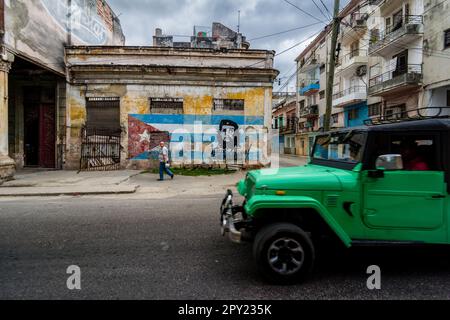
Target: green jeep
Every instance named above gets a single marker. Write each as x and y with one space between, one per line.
382 184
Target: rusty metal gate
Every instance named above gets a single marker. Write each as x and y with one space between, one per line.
100 149
100 138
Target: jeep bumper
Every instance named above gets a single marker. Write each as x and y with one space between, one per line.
232 225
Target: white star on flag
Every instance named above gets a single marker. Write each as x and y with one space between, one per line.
145 136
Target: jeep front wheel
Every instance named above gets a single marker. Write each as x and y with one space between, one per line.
284 253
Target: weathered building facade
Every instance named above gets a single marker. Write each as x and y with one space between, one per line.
312 66
216 37
436 80
285 120
32 74
392 64
211 106
396 38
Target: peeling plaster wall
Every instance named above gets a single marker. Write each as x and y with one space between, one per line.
135 103
38 29
436 20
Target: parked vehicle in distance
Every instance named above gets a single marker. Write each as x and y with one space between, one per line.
387 184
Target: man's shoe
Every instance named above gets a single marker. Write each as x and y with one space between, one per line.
173 177
160 180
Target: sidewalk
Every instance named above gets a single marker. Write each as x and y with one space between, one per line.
56 183
135 184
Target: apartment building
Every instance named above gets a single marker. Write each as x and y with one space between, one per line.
396 38
285 120
312 65
436 55
351 76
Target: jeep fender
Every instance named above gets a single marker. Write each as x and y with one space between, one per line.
293 202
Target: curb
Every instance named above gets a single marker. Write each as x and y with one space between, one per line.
55 193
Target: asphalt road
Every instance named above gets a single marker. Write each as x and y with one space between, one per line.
171 249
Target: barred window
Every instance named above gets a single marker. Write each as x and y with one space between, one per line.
103 113
229 104
447 39
166 105
375 109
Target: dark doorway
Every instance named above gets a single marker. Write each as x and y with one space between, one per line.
402 64
39 127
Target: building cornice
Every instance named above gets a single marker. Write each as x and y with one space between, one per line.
147 74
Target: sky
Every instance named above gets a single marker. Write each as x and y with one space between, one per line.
259 18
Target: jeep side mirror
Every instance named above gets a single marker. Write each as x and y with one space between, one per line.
389 162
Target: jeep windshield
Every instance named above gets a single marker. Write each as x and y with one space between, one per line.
341 149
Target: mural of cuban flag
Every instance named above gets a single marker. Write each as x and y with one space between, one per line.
196 139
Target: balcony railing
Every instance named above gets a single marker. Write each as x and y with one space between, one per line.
408 74
355 53
309 64
407 25
346 92
309 85
290 126
310 112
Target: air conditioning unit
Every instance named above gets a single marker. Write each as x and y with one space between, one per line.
413 77
361 71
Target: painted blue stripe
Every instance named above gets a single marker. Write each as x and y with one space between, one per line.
186 119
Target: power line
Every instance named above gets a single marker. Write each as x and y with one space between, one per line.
286 31
300 9
321 11
286 50
297 44
326 8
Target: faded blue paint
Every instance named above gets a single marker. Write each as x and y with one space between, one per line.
363 114
309 87
193 119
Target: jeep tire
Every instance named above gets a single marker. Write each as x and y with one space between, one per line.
284 253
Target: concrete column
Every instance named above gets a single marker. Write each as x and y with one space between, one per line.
7 165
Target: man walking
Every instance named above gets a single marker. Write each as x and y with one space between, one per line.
164 162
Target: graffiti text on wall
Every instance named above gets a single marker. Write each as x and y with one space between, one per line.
84 22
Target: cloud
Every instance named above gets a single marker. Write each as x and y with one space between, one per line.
139 19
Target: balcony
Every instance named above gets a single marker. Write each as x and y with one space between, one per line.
350 96
349 63
290 127
309 87
397 36
310 64
356 28
404 78
309 112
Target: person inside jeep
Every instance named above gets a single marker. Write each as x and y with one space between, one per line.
412 157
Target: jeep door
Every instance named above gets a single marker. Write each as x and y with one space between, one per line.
400 203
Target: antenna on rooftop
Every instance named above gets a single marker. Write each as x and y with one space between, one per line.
239 21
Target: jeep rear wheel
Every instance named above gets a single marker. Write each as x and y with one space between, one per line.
284 253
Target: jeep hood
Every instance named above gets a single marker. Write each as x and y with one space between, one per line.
310 177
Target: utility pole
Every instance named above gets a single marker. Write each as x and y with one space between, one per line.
332 66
